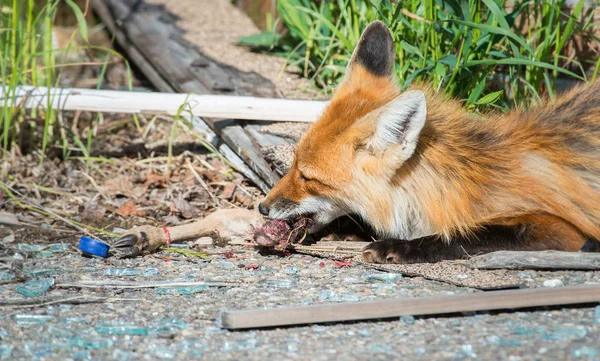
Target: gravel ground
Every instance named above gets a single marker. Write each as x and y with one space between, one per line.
143 324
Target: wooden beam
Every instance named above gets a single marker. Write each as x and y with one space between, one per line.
544 260
417 306
210 106
133 53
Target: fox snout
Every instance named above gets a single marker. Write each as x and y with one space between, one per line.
262 209
277 207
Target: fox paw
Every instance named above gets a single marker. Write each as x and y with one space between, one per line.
592 245
139 240
391 251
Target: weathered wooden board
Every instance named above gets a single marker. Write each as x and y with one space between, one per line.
150 36
354 311
542 260
205 106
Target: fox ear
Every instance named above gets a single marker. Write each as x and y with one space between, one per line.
375 50
401 122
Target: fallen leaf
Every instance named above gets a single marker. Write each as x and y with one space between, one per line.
127 209
189 179
155 180
179 204
228 191
213 176
245 200
121 185
252 266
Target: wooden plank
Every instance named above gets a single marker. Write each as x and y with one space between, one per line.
417 306
208 106
249 152
201 126
543 260
265 139
133 54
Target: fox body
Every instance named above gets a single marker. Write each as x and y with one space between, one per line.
416 166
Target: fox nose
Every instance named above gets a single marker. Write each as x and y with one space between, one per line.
263 210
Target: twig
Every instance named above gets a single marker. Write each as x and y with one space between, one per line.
135 285
203 184
106 198
325 249
414 16
72 300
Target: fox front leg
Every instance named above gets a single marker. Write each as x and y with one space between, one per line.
138 240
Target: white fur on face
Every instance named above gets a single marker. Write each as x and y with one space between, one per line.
404 222
322 209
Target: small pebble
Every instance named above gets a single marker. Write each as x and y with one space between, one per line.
383 277
5 351
5 276
82 355
227 265
409 320
585 351
467 350
553 283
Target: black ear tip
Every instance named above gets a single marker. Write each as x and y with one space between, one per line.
378 25
376 49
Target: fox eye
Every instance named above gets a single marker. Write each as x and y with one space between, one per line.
303 177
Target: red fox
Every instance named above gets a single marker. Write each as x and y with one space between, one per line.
437 181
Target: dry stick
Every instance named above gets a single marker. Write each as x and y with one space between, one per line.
353 311
70 300
98 189
414 16
547 260
135 285
203 184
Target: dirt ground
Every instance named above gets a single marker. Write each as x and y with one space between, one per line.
89 313
166 306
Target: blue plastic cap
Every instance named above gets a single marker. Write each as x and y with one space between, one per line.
92 247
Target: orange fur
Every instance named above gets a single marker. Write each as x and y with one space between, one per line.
538 168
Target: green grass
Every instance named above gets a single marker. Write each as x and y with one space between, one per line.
29 57
471 49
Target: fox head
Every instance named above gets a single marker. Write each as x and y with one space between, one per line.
352 155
